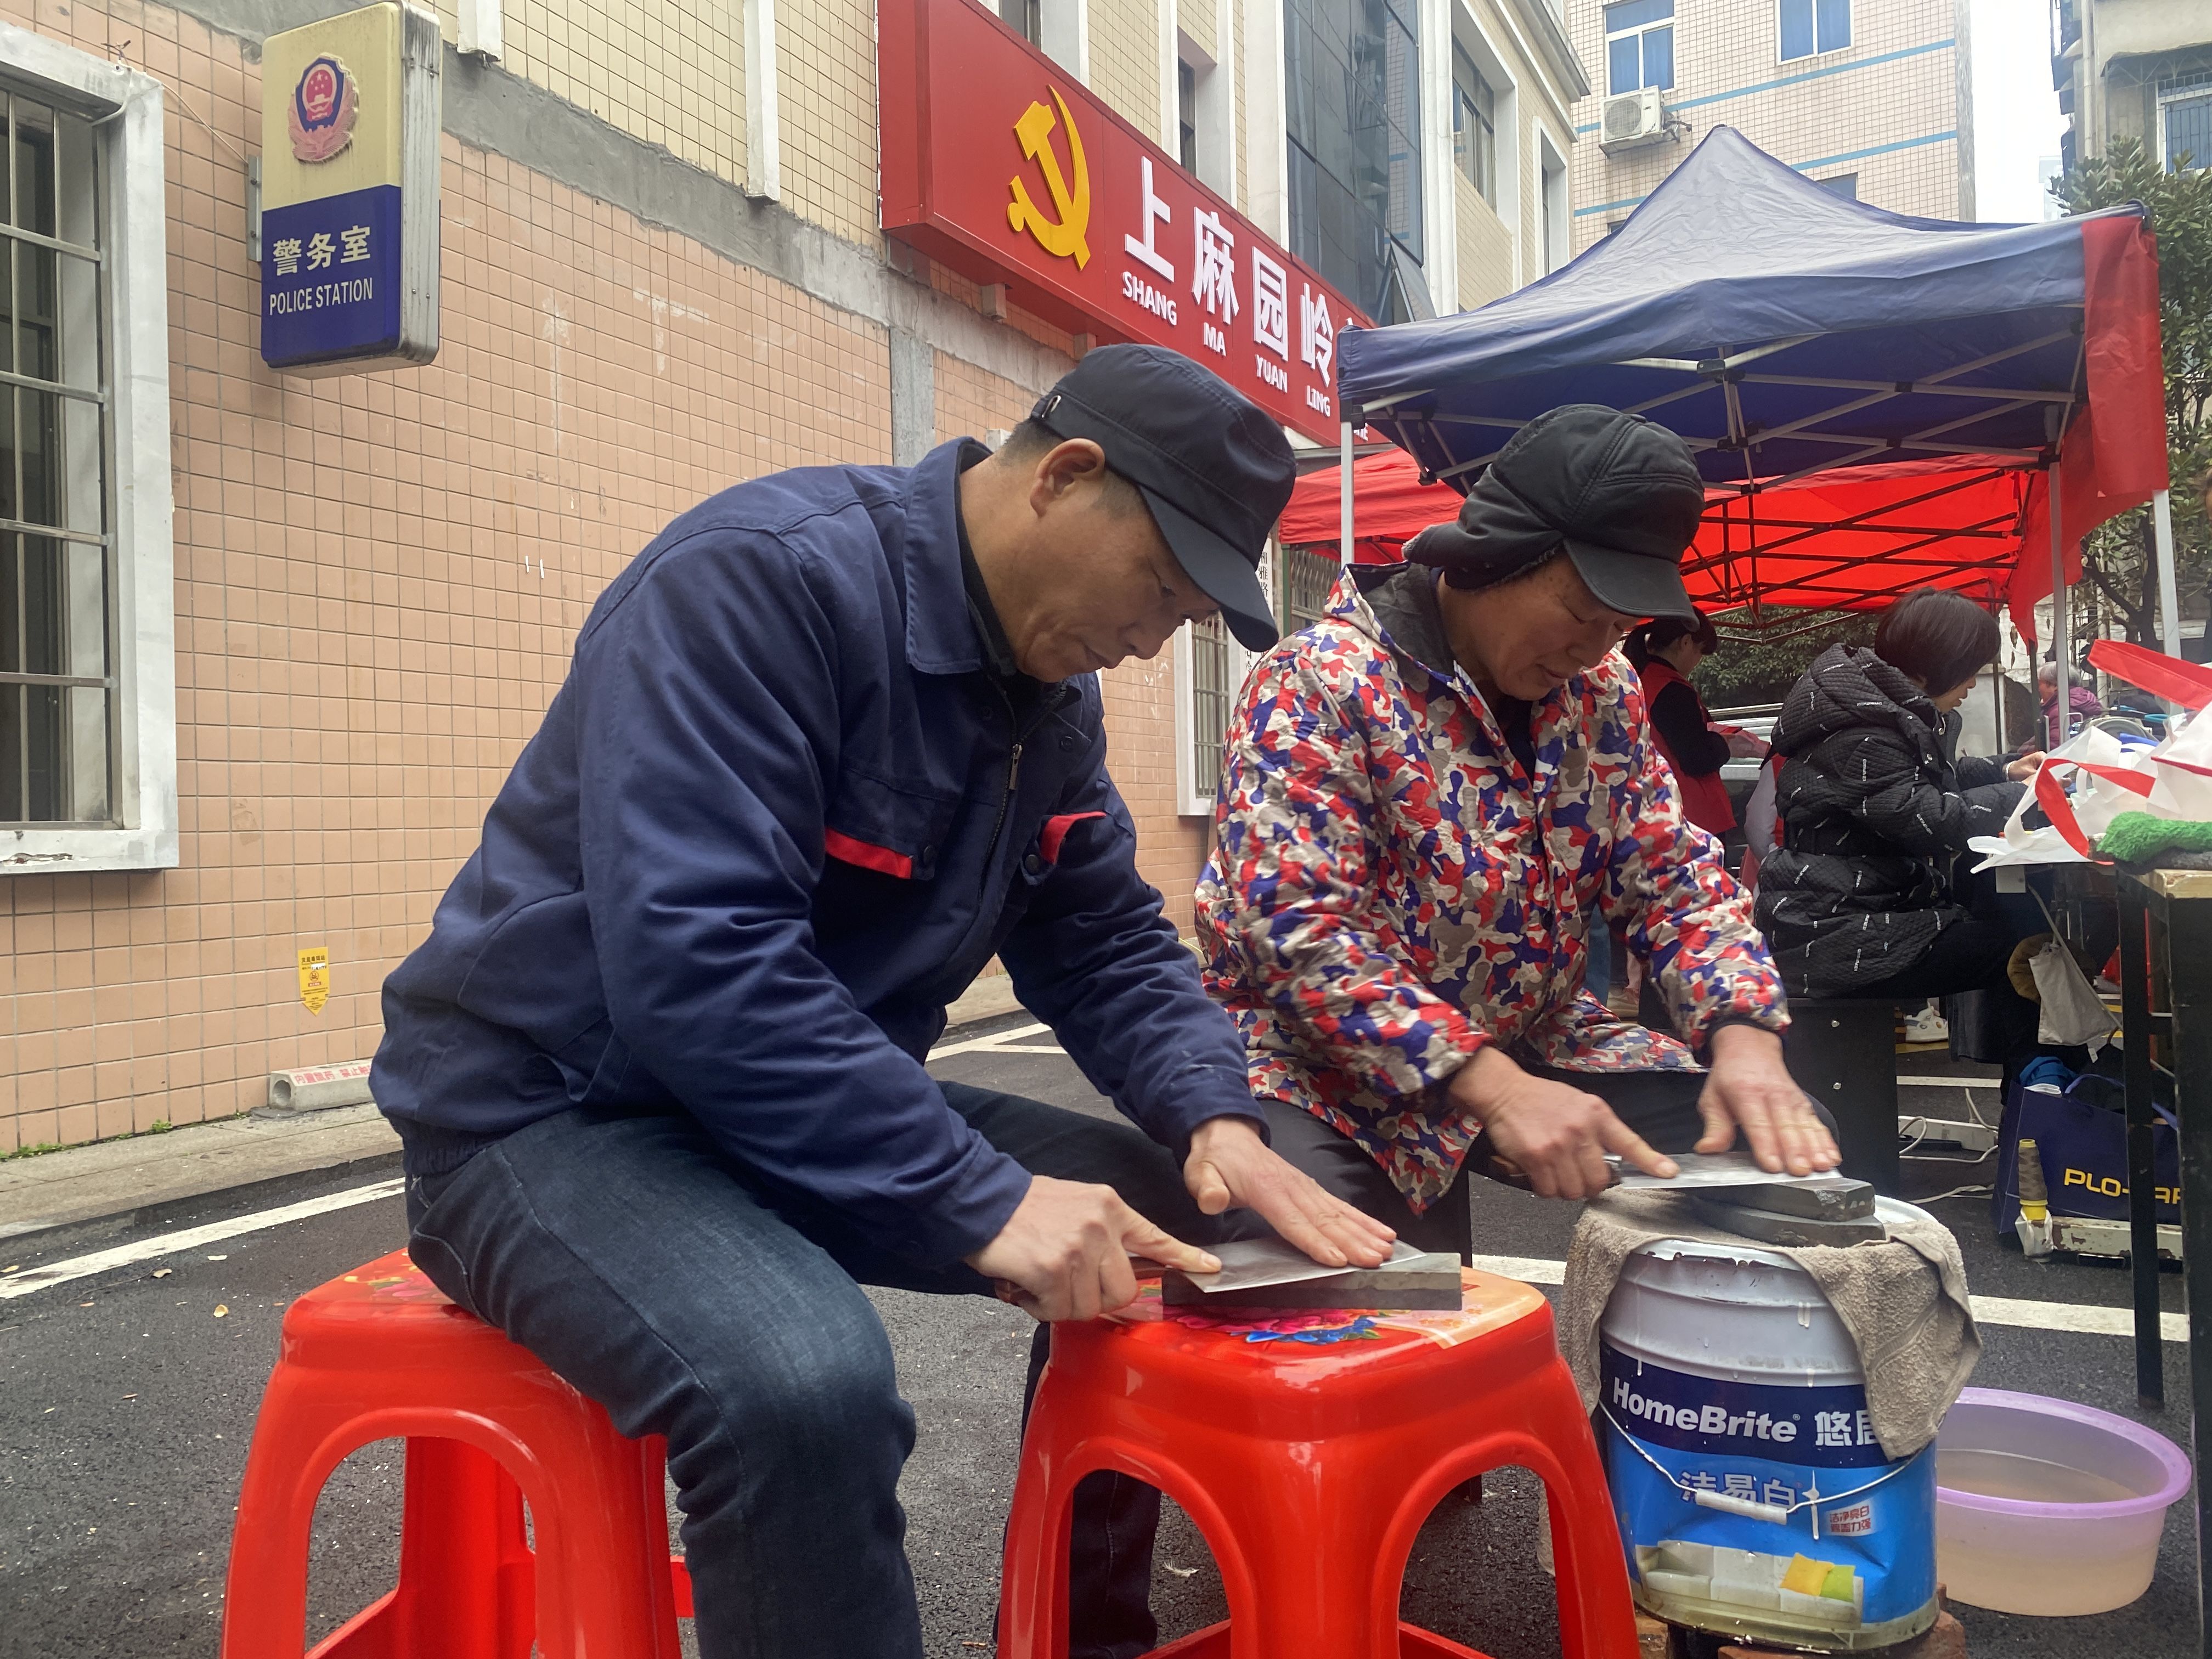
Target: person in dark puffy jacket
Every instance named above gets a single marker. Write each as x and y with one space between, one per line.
1858 901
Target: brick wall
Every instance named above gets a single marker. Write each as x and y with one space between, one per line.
1125 59
1195 18
1486 248
672 74
826 70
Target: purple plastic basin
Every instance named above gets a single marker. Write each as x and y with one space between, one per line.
2016 1554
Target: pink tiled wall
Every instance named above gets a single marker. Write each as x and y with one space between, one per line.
378 577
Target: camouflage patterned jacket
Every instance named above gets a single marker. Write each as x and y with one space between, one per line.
1390 890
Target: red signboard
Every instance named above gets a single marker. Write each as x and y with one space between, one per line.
1004 167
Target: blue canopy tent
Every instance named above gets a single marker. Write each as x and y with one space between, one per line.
1785 331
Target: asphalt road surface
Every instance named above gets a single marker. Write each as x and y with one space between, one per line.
127 1400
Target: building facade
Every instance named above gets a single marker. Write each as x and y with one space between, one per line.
2135 69
269 645
1871 98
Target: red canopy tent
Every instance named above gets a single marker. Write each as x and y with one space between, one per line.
1853 539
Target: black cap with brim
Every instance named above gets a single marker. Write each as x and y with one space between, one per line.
1634 584
1212 466
1222 573
1620 492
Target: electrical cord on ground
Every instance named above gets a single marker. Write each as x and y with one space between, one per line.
1982 1191
1973 1115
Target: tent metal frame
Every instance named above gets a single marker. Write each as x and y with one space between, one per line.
1730 368
1754 595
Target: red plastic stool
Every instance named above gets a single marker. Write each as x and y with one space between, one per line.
1308 1449
380 1352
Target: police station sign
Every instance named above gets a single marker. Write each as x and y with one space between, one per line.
350 229
1001 165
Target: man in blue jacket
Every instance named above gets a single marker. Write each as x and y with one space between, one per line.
827 745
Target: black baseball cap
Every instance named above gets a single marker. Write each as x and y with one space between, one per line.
1213 468
1622 495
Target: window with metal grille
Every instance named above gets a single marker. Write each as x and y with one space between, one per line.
58 685
2185 122
1211 654
1307 576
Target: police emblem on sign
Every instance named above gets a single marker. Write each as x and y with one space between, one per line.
324 106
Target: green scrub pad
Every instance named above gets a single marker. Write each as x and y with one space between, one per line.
2139 838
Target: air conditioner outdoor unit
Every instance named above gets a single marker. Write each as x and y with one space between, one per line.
1634 118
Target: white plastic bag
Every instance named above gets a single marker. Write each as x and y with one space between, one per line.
2108 778
2085 783
2073 1014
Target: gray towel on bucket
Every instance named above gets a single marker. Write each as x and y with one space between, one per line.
1904 1303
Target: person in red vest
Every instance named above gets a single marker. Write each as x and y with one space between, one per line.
1666 652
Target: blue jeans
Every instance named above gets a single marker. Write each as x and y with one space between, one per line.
664 1282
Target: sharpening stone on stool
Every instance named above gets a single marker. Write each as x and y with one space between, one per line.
1268 1274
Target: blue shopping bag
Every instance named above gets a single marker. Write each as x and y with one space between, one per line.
2080 1135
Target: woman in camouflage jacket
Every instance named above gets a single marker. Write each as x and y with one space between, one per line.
1423 794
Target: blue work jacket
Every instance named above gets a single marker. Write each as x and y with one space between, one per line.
775 819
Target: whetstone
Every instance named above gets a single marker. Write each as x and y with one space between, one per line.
1430 1282
1837 1198
1798 1231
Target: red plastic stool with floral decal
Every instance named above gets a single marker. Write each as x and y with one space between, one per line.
380 1353
1309 1449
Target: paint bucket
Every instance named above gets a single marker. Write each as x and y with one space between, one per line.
1752 1497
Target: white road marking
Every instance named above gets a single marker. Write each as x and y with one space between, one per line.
945 1051
2072 1316
1948 1082
1988 1310
122 1256
1529 1269
1028 1049
146 1249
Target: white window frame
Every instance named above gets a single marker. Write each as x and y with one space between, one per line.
1554 207
1213 116
134 262
1478 120
1819 51
1065 27
1637 31
1439 172
1266 136
1505 88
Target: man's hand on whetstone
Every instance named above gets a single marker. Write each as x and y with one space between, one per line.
1269 1273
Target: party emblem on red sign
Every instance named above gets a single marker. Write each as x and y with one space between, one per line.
1062 238
324 109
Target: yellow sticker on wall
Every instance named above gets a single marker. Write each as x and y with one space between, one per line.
314 979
